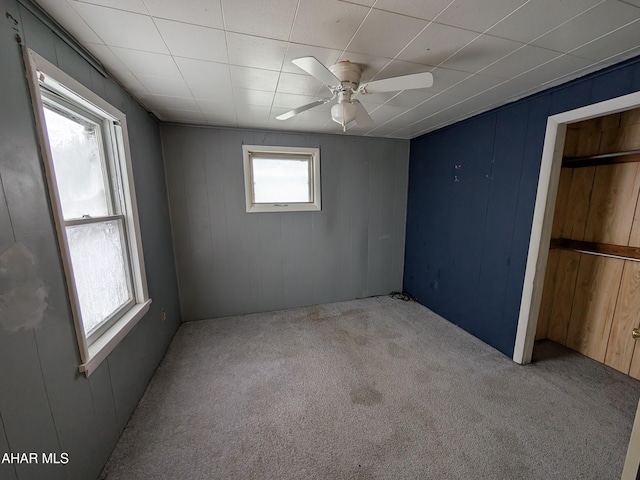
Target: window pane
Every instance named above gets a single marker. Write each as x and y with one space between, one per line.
76 158
281 181
99 270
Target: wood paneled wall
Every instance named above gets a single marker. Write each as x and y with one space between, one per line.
592 303
231 262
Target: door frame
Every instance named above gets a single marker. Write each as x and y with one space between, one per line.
543 214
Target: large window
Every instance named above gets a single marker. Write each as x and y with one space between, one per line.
281 178
86 156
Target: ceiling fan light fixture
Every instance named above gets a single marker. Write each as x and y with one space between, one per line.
343 81
344 113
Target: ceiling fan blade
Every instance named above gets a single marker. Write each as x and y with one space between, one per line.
301 109
362 116
395 84
313 67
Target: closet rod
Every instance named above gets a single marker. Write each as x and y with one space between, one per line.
602 159
593 248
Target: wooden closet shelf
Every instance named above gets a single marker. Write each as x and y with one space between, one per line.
602 159
594 248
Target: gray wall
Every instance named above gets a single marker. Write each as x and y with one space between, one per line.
45 404
231 262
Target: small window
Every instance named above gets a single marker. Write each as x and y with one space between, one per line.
280 179
86 157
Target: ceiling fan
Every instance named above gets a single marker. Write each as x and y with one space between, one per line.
343 80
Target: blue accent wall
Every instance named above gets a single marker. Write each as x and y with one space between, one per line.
472 190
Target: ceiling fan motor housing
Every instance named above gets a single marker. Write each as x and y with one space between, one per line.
348 73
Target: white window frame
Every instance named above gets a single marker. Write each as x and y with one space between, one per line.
286 152
44 76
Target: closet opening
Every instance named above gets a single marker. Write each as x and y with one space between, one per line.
582 281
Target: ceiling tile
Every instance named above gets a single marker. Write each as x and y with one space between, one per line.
370 65
133 30
193 41
397 68
213 118
275 111
368 39
299 84
62 12
598 21
445 78
411 98
221 108
407 131
132 85
537 18
161 102
483 51
270 19
253 114
107 57
384 113
147 63
520 61
366 3
325 56
497 95
207 13
554 72
620 57
161 52
329 24
468 14
465 107
180 116
471 85
415 8
116 68
376 98
611 44
206 80
436 43
290 101
135 6
255 52
253 97
165 86
387 128
255 78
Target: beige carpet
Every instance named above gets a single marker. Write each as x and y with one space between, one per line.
375 388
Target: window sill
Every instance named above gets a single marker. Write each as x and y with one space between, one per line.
103 346
282 207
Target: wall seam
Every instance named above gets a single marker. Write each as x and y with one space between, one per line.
46 392
515 215
6 202
4 432
113 398
486 215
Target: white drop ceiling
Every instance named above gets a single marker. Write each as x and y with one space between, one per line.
228 62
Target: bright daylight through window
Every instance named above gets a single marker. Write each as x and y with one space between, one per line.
93 225
281 178
86 156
